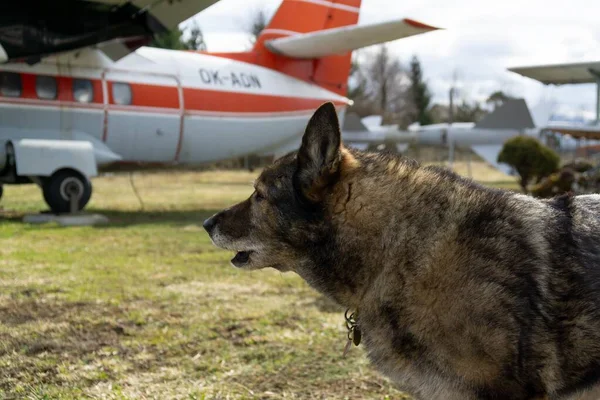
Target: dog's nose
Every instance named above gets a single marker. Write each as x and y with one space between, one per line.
209 224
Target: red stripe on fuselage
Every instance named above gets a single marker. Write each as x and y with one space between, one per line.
146 97
170 111
215 101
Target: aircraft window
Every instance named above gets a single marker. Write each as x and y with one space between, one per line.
121 93
83 92
10 84
45 87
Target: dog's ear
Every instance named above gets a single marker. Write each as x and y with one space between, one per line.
320 154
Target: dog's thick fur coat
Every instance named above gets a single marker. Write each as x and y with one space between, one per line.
463 292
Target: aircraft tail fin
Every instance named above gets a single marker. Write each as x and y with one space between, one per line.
294 17
512 114
313 40
301 17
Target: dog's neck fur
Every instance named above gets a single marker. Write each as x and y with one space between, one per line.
400 187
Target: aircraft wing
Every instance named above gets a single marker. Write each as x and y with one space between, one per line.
561 74
347 38
357 135
33 29
362 140
489 152
378 137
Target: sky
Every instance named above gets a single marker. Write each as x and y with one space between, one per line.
480 40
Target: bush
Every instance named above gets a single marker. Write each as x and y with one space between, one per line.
579 165
530 158
557 183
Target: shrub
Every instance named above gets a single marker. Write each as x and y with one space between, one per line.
530 158
557 183
579 165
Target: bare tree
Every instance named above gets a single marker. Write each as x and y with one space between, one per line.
380 86
358 84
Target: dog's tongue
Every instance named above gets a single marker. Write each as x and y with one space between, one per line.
241 258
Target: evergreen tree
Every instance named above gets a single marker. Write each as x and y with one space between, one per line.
419 92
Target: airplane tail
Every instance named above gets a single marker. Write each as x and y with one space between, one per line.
313 40
511 114
295 17
300 17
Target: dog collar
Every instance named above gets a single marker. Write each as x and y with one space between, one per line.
354 333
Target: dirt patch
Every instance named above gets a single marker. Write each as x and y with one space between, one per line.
33 327
239 332
22 312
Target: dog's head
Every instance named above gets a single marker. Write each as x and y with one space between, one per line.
285 215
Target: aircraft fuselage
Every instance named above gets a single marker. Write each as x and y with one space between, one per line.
158 106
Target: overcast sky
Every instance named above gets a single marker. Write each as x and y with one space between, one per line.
479 41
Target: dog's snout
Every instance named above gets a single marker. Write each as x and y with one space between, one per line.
210 223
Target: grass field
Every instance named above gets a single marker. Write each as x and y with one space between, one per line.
147 308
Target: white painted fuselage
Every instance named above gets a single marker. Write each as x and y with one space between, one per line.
466 135
159 106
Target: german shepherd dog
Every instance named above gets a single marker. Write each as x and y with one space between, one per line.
461 291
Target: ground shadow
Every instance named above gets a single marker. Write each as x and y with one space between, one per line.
123 219
11 216
174 217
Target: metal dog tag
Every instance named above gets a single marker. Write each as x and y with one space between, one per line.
356 335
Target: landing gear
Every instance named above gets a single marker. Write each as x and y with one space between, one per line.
66 191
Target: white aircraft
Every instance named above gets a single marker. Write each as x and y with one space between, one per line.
78 92
485 137
362 133
568 74
565 74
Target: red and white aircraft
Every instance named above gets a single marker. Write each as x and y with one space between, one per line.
107 100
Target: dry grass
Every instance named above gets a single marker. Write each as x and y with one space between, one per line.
147 308
480 171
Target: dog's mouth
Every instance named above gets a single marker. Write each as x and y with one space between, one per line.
242 258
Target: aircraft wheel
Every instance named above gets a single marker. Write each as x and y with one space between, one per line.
61 186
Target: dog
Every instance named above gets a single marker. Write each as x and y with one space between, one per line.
460 291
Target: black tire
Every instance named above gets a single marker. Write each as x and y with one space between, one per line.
55 189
